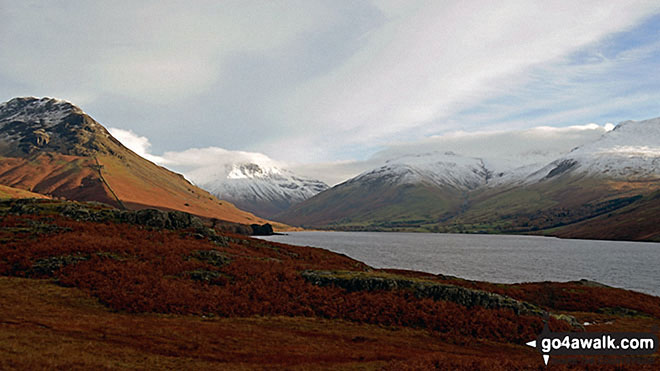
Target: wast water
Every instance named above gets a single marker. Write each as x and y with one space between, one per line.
498 258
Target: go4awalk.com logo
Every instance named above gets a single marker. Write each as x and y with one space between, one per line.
594 343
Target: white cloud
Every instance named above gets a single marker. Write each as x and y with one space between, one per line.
325 81
203 165
502 151
434 60
200 165
137 144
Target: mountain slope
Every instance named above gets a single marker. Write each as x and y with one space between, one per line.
10 192
629 152
52 147
400 193
616 174
258 188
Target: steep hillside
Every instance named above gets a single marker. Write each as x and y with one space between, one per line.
52 147
594 187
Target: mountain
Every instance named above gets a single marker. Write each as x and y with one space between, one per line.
52 147
399 193
631 151
597 186
261 189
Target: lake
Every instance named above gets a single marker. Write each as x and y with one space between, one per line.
498 258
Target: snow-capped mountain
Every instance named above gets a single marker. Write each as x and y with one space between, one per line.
436 168
618 171
260 188
48 111
630 151
28 124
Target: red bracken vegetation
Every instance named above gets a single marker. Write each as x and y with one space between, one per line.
579 296
133 269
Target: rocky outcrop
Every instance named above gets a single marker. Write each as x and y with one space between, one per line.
353 281
212 257
562 167
93 212
262 230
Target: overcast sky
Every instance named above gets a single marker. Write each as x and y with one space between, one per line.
332 82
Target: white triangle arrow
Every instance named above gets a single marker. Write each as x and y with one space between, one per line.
532 343
546 358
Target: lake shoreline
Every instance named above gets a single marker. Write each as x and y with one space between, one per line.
505 259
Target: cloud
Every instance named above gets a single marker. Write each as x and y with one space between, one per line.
333 82
205 165
137 144
419 69
502 150
200 165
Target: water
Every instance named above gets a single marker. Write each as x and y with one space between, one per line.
498 258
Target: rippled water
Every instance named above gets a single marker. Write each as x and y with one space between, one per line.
498 258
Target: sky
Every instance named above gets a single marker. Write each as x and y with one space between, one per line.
326 87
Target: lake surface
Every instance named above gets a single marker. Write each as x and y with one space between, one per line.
498 258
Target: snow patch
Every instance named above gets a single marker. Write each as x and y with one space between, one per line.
46 112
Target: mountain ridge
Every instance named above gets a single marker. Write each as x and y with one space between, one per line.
52 147
447 192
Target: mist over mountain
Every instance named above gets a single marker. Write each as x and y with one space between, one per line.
449 191
252 181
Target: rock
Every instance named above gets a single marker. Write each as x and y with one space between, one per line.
48 266
181 220
94 212
205 276
213 257
354 281
152 218
75 212
262 230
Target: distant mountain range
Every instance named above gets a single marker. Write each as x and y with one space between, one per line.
51 147
608 188
261 189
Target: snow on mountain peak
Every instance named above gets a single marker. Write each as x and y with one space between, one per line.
252 171
630 150
29 125
435 167
257 186
46 111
